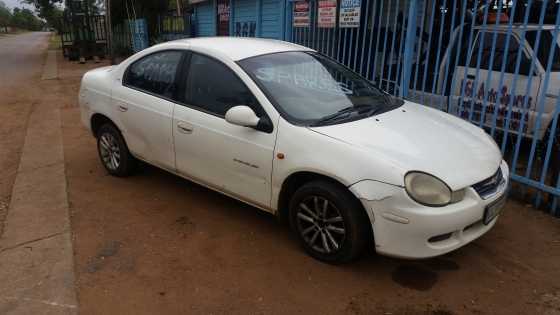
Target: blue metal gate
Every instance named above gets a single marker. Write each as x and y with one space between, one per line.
494 63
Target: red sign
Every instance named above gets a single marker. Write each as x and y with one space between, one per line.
301 14
327 14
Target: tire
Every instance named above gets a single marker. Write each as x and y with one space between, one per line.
113 151
555 160
554 166
337 236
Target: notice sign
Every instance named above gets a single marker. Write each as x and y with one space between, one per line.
301 14
350 13
327 14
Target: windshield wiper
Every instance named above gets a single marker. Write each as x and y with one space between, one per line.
345 112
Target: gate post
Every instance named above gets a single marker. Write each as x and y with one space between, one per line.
410 42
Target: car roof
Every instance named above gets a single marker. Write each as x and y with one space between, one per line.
514 27
236 48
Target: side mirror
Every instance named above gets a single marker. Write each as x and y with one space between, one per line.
242 116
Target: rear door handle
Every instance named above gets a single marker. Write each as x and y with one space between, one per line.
123 108
184 128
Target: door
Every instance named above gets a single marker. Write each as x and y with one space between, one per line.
484 100
223 17
145 108
547 51
234 159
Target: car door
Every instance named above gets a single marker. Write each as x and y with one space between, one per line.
547 50
484 99
231 158
144 103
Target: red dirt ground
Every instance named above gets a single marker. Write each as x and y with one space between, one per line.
155 243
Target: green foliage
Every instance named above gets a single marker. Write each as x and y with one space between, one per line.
25 19
49 10
5 15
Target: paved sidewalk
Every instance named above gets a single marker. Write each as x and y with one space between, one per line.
36 256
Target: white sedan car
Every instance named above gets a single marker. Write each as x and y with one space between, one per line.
293 132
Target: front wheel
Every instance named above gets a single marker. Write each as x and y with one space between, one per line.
329 222
113 152
554 166
555 160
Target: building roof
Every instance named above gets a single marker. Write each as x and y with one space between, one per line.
238 48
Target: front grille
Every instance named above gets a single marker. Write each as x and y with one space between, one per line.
490 185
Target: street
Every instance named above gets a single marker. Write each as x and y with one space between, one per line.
21 59
154 243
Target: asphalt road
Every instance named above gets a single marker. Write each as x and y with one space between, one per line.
21 57
21 60
36 273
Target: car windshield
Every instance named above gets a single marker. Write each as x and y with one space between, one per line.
311 89
546 48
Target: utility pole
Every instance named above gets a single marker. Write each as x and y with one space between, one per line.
109 30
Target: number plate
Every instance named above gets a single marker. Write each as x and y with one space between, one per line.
493 209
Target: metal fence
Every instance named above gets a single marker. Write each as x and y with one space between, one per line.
131 36
493 63
174 27
82 35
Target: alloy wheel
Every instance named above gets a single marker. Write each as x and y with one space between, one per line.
110 151
320 224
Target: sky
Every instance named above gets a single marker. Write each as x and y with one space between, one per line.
15 3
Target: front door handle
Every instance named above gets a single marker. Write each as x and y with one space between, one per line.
183 128
123 108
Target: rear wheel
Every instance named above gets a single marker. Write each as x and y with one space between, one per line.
113 152
329 222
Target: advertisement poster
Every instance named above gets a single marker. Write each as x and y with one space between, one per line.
327 14
350 13
301 14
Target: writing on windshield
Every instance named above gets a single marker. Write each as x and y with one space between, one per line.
315 78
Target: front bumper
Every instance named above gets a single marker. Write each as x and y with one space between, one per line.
403 228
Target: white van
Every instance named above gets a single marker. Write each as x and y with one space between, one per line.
486 94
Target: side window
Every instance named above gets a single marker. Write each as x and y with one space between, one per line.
155 73
213 87
545 49
499 54
464 53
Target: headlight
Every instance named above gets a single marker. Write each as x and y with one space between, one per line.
429 190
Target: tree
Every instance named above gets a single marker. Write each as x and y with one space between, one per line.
49 10
25 19
5 15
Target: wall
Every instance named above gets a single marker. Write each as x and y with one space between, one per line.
250 18
271 19
205 18
244 18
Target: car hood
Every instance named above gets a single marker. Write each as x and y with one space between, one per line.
417 138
